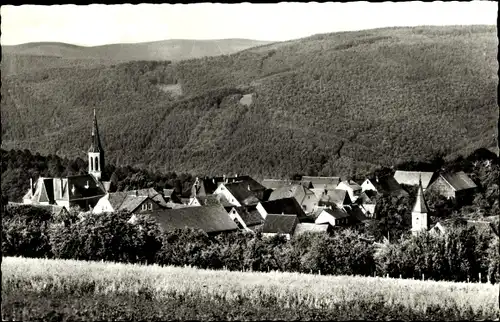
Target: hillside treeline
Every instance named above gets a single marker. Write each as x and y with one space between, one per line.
333 104
461 255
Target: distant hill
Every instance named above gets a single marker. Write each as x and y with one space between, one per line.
175 49
328 104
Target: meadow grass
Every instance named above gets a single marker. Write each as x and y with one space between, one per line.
188 290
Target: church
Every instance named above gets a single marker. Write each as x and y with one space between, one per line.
83 191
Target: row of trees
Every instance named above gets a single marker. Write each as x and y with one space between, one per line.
33 232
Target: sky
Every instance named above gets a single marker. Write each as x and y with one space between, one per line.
98 24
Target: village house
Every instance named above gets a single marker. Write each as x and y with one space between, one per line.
236 194
124 201
411 178
385 185
335 197
305 197
352 188
246 218
208 186
283 224
83 191
281 206
209 200
151 193
333 217
367 202
453 185
170 196
275 183
211 219
323 183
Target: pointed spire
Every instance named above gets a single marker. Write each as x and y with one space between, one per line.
96 141
420 203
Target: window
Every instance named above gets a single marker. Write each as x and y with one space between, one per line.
144 206
308 197
91 164
150 206
96 164
304 207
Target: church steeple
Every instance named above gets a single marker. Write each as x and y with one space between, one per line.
420 210
96 152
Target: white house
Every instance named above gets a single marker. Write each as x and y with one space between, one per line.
352 188
334 217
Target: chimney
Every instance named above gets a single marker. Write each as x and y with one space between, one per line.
213 180
376 178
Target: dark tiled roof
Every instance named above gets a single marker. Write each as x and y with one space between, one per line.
411 178
249 215
151 193
280 224
365 199
337 213
459 180
387 185
85 186
290 191
207 218
356 213
240 191
125 201
286 206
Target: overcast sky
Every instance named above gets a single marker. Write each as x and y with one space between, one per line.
105 24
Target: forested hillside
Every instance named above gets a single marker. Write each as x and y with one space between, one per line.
332 104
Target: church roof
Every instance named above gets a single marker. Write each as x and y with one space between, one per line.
95 146
420 204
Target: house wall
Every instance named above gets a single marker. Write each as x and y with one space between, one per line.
103 205
236 217
221 190
368 210
149 204
367 185
261 210
442 187
418 221
325 218
352 194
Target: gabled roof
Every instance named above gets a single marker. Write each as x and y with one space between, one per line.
211 200
351 184
291 191
411 178
168 192
336 196
285 205
275 183
310 227
322 182
207 186
249 215
336 213
207 218
387 185
280 224
151 193
459 181
365 199
125 201
356 213
240 191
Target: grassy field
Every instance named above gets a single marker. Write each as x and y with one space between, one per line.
75 290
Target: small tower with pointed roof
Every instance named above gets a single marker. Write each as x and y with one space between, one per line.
420 211
96 152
